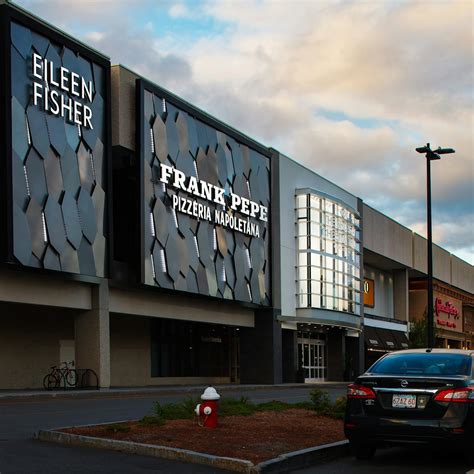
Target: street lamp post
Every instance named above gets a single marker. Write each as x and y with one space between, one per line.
430 156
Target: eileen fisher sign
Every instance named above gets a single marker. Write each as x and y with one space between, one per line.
51 87
169 175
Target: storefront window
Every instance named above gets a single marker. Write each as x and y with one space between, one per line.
328 260
185 349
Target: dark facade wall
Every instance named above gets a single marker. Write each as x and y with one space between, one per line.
56 168
289 355
261 350
352 357
336 355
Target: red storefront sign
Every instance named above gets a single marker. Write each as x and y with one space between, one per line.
448 315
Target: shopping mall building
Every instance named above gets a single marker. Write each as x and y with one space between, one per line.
149 241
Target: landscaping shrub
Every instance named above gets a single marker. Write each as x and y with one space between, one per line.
236 406
322 405
320 401
176 411
273 405
151 421
339 408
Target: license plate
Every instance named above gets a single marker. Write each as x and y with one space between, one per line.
403 401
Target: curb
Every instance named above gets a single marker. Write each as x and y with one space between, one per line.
154 391
176 454
283 463
304 458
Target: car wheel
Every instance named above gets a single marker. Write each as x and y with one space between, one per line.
363 452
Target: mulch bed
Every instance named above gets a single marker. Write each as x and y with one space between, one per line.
257 438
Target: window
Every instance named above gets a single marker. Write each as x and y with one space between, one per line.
423 364
328 254
185 349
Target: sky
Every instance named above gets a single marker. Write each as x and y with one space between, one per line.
348 88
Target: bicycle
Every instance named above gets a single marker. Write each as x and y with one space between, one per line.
64 375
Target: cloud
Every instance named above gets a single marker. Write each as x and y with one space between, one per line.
125 45
179 10
395 75
109 27
405 66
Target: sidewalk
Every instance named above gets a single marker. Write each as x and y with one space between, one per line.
154 390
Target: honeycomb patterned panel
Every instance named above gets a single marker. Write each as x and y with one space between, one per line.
183 249
58 165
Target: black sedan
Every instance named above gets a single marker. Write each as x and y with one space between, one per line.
422 396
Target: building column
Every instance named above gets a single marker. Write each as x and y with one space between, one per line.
260 349
336 350
400 294
361 360
92 335
289 355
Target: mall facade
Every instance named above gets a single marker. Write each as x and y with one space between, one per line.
149 241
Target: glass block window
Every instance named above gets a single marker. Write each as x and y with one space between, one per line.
328 254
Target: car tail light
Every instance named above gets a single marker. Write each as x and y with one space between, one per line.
456 395
359 391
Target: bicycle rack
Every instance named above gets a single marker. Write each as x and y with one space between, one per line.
86 379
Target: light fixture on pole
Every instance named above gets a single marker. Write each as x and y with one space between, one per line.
430 156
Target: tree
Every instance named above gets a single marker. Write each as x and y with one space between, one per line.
419 332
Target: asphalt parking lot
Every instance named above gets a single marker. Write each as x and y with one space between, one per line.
21 418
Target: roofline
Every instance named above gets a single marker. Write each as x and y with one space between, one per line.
305 167
50 26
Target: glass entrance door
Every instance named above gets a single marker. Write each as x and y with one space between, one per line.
312 359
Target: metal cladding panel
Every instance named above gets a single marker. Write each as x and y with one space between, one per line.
193 240
59 138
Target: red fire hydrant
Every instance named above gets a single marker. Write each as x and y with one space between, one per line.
207 411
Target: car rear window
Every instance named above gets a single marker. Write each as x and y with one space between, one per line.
423 364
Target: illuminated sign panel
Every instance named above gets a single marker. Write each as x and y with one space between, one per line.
369 294
205 203
448 313
57 109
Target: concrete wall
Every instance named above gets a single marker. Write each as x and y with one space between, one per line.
29 343
129 350
386 237
462 274
123 107
383 292
446 267
401 284
441 264
189 308
391 240
420 254
19 287
441 259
